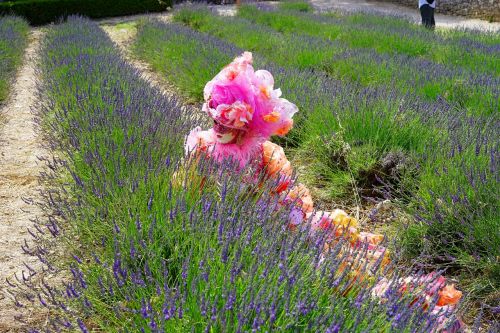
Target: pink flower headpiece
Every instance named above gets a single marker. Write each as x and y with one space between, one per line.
246 110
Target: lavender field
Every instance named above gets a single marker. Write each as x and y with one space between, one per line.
382 217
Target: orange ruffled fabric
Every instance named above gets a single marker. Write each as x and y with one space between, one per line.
449 295
274 160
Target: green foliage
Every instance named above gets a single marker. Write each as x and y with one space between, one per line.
13 40
373 128
343 151
136 210
383 34
298 6
391 36
39 12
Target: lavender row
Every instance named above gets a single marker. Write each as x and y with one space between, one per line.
354 56
479 93
461 171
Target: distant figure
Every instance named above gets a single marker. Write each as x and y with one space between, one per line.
427 12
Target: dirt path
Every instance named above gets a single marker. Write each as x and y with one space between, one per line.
19 171
443 21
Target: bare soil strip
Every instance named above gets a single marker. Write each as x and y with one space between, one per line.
20 147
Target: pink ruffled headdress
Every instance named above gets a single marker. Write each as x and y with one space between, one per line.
246 110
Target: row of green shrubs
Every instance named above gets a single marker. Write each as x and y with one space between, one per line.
39 12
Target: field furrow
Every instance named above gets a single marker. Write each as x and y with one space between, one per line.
20 147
